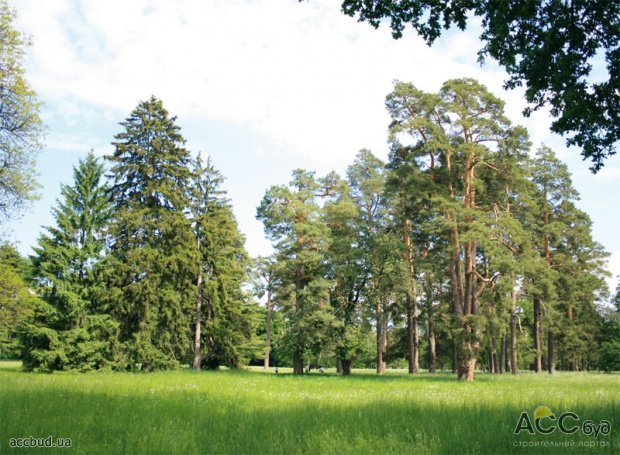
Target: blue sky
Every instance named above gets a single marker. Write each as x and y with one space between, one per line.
263 86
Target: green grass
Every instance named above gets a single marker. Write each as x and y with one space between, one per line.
252 412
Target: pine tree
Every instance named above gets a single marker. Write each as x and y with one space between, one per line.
70 331
152 262
292 216
460 136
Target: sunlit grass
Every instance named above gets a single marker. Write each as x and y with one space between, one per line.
261 412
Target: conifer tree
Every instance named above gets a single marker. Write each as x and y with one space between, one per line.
461 134
70 331
152 261
221 327
292 217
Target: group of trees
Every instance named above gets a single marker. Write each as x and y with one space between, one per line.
463 251
461 246
143 269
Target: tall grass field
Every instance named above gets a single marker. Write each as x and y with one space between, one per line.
256 412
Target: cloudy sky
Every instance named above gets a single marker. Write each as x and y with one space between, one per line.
263 86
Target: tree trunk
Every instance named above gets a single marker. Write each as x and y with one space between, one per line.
538 334
197 330
432 346
346 367
338 365
454 357
413 336
298 362
550 353
514 362
381 340
505 363
430 315
268 330
494 360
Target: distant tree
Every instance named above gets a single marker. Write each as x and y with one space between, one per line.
547 46
21 128
70 331
265 282
152 263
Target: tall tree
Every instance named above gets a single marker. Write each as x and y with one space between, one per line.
548 46
152 261
461 134
220 325
292 217
383 254
70 331
21 129
265 282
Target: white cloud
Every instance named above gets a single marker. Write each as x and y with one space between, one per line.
305 75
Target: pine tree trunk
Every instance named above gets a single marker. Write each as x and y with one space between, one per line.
550 353
454 357
432 346
505 363
413 336
381 340
514 362
538 334
298 362
268 330
430 315
494 360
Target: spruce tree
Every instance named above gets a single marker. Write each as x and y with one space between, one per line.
222 328
70 331
152 261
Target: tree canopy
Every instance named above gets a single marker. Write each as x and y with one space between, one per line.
21 129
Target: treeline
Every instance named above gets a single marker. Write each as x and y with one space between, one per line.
461 252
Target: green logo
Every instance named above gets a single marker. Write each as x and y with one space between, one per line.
546 422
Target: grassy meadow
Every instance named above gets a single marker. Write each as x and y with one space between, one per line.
255 412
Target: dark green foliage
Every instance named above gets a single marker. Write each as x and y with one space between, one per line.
610 356
293 220
227 321
69 330
547 46
152 260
